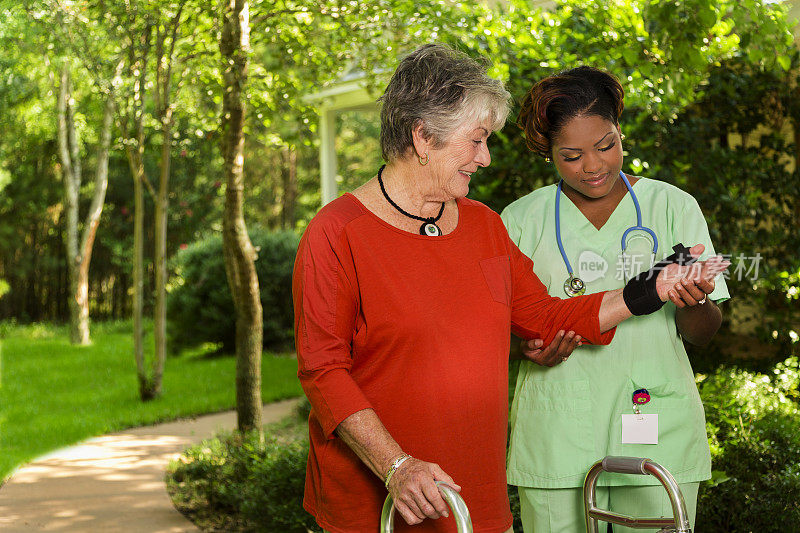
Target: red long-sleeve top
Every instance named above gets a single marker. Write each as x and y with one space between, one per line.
416 328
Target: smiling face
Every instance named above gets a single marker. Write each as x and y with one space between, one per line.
464 152
587 153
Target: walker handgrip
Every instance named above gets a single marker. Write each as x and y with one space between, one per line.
450 495
679 523
625 465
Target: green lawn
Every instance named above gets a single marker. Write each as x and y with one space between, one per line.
53 394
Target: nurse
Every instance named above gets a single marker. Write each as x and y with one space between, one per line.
636 396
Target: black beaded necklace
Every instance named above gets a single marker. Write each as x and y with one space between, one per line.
428 226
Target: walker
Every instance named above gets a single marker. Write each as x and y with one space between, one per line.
679 523
456 503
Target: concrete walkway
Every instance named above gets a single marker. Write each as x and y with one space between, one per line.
111 483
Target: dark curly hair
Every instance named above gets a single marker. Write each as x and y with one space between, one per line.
556 99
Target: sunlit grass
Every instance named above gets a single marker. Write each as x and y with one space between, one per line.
53 394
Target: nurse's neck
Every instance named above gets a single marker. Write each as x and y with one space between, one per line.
598 209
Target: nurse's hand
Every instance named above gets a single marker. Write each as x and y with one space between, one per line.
691 293
699 273
415 493
555 353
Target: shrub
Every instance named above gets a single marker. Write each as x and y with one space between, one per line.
273 496
753 424
513 500
243 483
199 304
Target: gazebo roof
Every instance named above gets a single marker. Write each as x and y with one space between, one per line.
350 91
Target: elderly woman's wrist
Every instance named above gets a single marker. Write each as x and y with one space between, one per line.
393 467
641 294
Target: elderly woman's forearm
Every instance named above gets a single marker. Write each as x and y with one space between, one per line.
366 435
612 310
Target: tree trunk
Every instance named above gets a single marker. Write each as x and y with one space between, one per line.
79 256
239 253
93 218
796 130
160 258
289 175
163 80
69 153
139 48
136 163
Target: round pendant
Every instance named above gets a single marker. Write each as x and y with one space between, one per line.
574 286
430 229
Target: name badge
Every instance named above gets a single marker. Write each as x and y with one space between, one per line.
639 429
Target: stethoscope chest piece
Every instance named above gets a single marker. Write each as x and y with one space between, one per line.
574 286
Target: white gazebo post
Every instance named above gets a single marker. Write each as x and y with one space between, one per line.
349 93
327 154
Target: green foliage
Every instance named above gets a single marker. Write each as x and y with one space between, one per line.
698 76
753 423
663 51
298 47
55 394
719 150
513 500
254 483
199 304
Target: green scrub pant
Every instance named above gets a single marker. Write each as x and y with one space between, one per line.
511 530
561 510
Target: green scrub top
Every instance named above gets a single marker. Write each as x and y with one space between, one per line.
565 418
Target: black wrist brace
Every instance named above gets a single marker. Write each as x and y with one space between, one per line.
640 293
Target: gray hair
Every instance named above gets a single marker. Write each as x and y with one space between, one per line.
442 88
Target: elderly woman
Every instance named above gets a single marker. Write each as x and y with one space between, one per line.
405 293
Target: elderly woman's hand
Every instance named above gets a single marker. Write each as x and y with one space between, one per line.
556 352
414 491
690 280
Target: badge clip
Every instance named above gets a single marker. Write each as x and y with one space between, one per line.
640 397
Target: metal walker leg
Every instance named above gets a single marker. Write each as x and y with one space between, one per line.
450 495
679 523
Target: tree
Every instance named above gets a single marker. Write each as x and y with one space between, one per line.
79 254
157 68
239 253
301 43
144 37
55 27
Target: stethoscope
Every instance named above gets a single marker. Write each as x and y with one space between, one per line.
574 286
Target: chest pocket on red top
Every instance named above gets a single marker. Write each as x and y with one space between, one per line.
497 273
